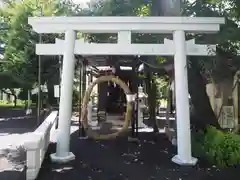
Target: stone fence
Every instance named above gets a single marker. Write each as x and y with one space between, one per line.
37 145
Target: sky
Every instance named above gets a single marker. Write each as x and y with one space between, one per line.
80 1
75 1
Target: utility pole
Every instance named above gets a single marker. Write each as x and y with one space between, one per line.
39 76
60 76
81 132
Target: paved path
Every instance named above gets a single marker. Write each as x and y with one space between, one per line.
14 127
150 159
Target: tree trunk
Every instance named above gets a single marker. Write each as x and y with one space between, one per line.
15 100
203 114
11 93
153 94
151 91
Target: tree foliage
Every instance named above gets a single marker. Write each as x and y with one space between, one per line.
201 69
226 62
217 68
20 39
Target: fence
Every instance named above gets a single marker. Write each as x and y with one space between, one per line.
37 144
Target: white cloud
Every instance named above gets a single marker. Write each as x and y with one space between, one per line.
80 1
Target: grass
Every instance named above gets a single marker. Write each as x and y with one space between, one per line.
20 104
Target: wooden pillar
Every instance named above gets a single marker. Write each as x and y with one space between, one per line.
134 89
151 91
102 99
235 95
81 132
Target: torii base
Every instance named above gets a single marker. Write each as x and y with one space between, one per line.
62 160
176 159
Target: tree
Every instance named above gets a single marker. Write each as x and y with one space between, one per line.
215 69
201 69
20 40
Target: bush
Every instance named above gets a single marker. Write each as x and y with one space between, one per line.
4 103
220 148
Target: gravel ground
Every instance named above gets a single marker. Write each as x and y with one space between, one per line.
149 159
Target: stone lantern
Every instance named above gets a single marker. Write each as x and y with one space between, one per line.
141 106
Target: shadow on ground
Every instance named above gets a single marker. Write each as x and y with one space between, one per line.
12 175
149 159
10 112
15 121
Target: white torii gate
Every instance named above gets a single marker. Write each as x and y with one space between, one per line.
124 26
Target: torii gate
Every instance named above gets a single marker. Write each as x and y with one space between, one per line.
124 26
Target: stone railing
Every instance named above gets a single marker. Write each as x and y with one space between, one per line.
36 145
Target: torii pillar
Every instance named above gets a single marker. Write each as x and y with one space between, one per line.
63 153
182 100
